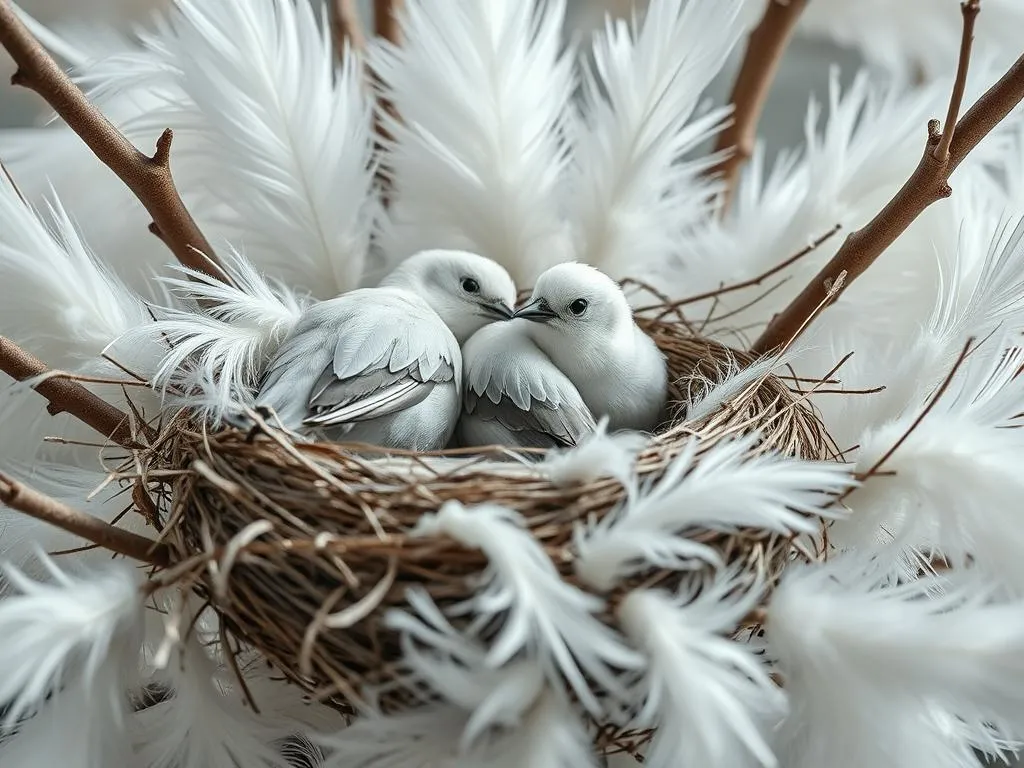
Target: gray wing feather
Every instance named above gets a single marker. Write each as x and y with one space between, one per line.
510 381
387 351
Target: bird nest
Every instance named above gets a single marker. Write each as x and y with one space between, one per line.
303 547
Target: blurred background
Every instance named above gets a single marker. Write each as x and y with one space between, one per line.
805 69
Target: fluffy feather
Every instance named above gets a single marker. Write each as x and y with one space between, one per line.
544 617
408 740
204 723
723 491
598 455
59 300
953 481
709 697
483 91
887 675
71 647
276 138
632 194
221 338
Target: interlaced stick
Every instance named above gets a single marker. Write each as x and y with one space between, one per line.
149 178
765 47
68 396
928 184
41 507
346 26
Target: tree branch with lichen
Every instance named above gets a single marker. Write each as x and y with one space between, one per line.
944 151
149 178
765 47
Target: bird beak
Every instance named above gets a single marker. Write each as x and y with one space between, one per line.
536 311
499 310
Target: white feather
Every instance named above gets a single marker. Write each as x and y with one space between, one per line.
550 736
71 648
953 482
541 615
59 301
632 195
221 338
204 723
876 674
483 91
709 698
70 732
276 138
726 489
598 455
409 740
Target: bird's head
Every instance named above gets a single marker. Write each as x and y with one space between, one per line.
578 301
466 290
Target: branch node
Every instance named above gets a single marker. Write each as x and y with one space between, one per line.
934 132
162 156
945 191
19 78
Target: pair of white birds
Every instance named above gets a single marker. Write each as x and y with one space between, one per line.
436 352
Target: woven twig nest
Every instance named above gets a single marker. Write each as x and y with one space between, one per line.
311 541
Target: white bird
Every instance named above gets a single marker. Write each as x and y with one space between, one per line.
514 394
583 322
382 365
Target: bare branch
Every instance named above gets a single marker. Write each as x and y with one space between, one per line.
927 184
969 9
68 396
346 26
385 19
765 47
149 178
47 509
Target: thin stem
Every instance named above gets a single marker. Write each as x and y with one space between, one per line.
385 19
346 26
969 9
761 60
927 184
149 178
30 502
67 396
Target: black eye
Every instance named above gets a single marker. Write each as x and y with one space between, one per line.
579 306
469 285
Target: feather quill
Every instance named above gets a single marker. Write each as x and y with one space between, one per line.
483 91
633 195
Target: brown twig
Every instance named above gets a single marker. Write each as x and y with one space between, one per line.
68 396
761 60
149 178
928 184
346 26
41 507
385 19
969 9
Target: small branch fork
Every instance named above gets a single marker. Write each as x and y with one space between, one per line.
929 183
765 48
149 178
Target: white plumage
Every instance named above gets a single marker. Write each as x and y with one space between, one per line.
514 395
382 365
484 92
581 320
